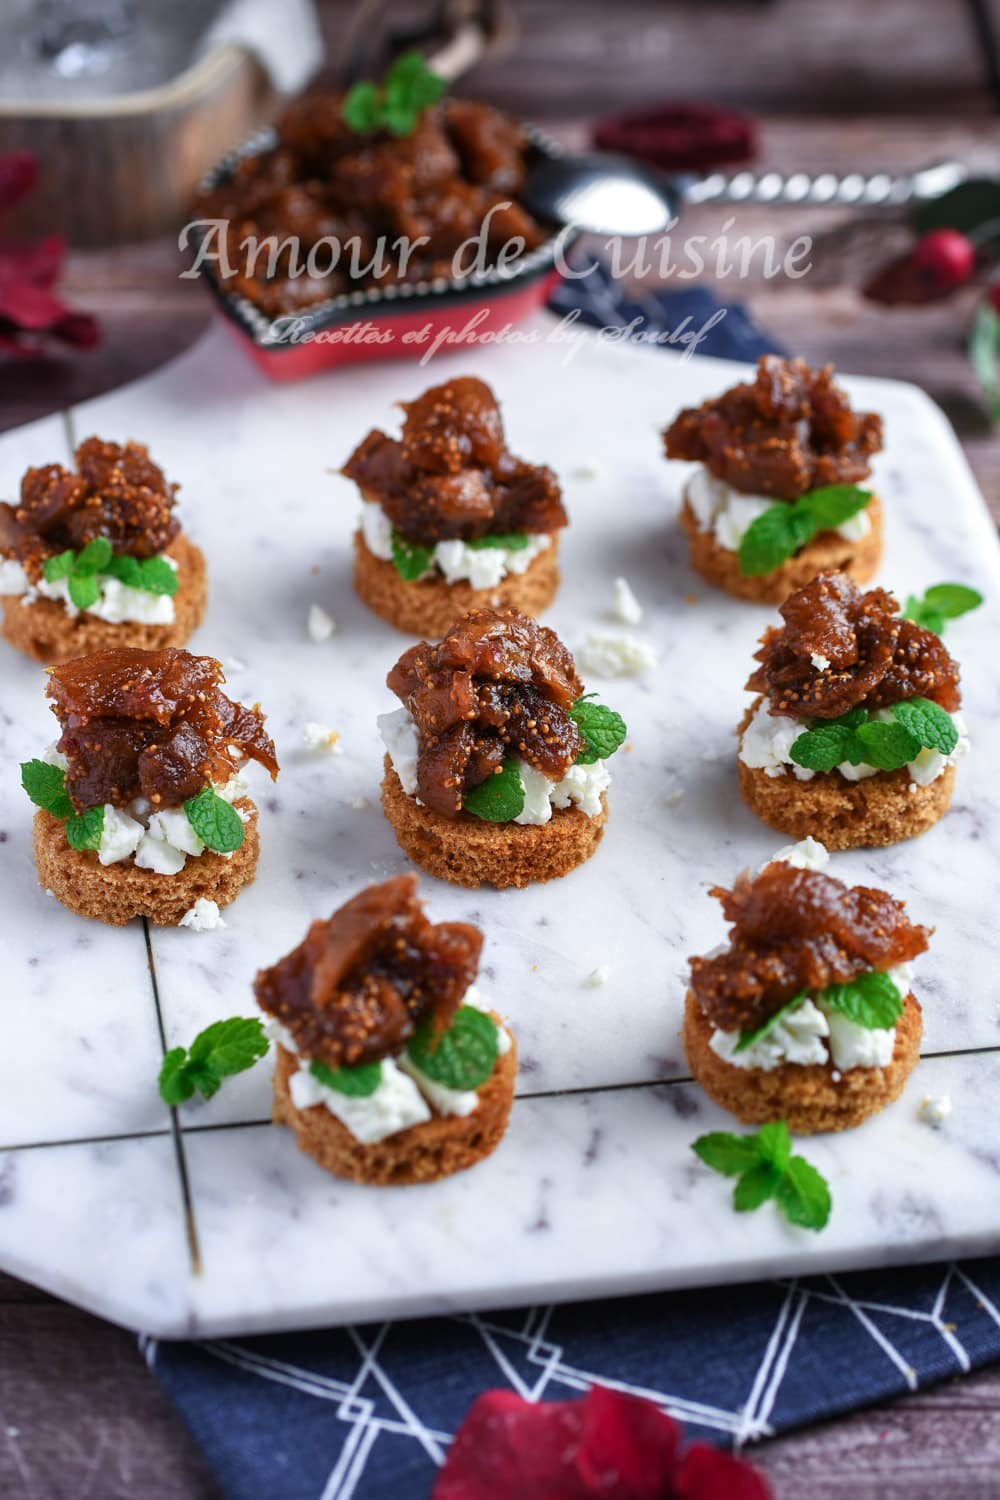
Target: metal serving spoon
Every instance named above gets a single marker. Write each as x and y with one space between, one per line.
603 193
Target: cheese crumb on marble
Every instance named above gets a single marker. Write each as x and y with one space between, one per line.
320 625
626 606
598 977
607 655
203 916
934 1110
807 854
318 737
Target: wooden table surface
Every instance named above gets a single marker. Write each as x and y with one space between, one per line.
80 1417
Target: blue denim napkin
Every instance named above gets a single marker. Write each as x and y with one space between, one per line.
366 1413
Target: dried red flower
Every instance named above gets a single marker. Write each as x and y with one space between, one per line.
30 311
607 1446
684 137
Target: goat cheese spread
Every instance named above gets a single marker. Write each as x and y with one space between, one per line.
582 785
403 1097
116 602
728 514
482 567
767 741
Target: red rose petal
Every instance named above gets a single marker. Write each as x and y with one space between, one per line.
18 175
706 1473
628 1447
681 137
37 261
511 1449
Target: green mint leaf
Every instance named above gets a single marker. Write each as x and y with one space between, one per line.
803 1195
358 1083
500 797
158 577
83 831
781 530
749 1039
943 601
725 1153
513 541
215 821
362 108
770 540
95 556
602 728
871 1000
409 88
774 1144
84 589
922 613
175 1083
46 786
823 747
58 567
410 561
126 569
831 506
756 1186
464 1056
399 118
952 599
887 746
928 723
222 1049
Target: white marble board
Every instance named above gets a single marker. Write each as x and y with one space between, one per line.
104 1196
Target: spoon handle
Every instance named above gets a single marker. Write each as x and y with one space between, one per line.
870 190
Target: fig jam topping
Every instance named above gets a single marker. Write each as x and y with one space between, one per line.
116 492
497 684
455 178
450 475
355 990
151 724
788 431
876 659
797 930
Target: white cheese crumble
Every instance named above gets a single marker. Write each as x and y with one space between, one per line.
796 1037
402 743
807 854
318 737
395 1105
804 1034
598 977
116 603
482 567
821 663
319 624
767 742
626 606
607 655
582 786
203 916
729 513
934 1109
120 836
